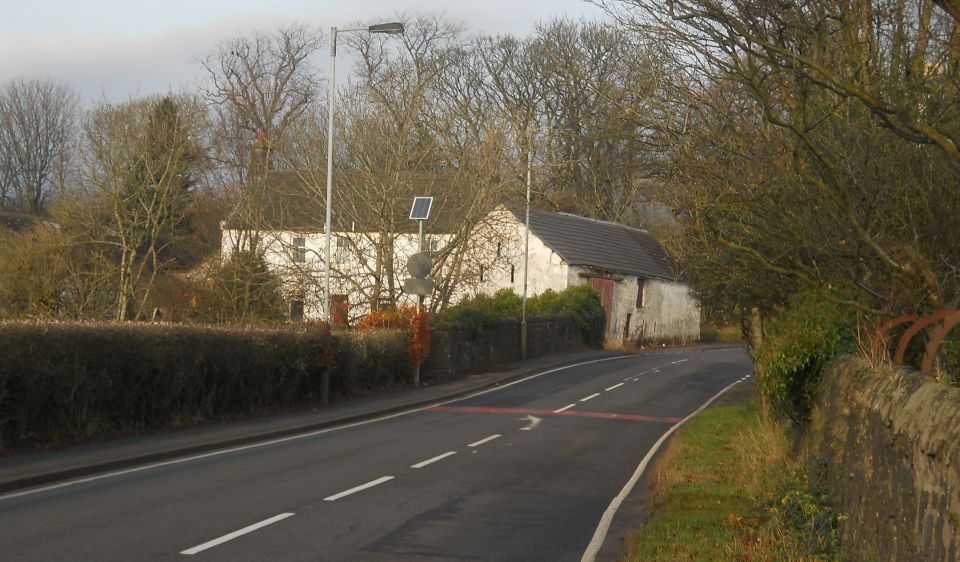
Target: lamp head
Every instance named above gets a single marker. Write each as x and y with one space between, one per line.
393 28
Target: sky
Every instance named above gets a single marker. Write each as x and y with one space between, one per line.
121 49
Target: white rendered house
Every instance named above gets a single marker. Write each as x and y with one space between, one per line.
283 219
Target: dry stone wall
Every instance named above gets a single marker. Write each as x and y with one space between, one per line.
890 440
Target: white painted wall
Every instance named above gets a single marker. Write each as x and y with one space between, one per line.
547 270
349 274
669 311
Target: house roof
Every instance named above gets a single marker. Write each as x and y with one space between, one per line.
295 201
601 245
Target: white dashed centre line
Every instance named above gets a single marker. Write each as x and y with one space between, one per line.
434 459
591 397
359 488
482 441
618 385
564 409
235 534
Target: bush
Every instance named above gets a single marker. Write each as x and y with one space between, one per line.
484 310
581 301
797 345
387 319
807 513
245 290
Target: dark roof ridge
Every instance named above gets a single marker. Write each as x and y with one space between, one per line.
601 221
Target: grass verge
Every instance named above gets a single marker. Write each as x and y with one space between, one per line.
728 488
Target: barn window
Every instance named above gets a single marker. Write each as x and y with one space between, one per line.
481 273
640 285
512 271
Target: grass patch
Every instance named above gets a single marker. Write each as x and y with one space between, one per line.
728 488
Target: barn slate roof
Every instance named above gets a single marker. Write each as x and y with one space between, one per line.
601 245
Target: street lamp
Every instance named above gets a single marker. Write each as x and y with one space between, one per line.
526 257
526 239
393 28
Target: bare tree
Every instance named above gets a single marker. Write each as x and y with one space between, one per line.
417 121
830 128
36 126
577 99
260 85
600 90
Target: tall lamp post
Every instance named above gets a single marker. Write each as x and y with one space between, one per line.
526 258
526 239
394 28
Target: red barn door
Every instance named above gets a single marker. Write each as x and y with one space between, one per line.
604 286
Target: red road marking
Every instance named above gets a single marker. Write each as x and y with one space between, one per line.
535 412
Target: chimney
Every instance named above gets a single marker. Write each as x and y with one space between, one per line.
259 157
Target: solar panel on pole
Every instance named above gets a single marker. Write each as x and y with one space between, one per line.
421 208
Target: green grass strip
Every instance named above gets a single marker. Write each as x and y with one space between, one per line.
692 521
729 488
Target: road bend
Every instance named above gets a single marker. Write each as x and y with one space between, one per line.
522 472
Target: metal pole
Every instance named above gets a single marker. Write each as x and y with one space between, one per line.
526 261
331 95
416 371
420 297
420 238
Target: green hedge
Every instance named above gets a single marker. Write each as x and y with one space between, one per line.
580 301
797 344
62 382
369 361
68 382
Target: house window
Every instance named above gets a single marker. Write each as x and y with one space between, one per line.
343 249
299 250
481 273
513 270
641 283
296 310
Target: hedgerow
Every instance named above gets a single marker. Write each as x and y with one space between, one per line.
797 344
580 301
64 382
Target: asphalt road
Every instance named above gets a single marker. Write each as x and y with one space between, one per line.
523 472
